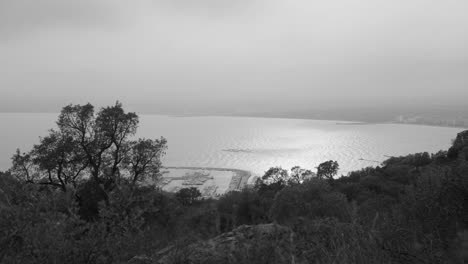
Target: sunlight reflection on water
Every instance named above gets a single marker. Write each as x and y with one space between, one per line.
253 144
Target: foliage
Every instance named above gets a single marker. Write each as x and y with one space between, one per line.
276 178
299 175
88 145
312 199
242 208
143 159
327 170
188 196
22 167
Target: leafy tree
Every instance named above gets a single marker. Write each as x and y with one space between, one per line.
187 196
299 175
59 159
78 121
276 178
144 158
98 144
327 170
275 175
116 126
102 138
23 167
271 182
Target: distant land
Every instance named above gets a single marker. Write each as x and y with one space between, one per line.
442 115
432 111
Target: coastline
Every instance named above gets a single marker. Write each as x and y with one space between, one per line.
354 123
337 121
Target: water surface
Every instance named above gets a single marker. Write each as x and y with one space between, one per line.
253 144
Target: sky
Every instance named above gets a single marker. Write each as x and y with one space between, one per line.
230 55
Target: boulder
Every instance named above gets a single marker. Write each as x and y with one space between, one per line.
140 260
267 243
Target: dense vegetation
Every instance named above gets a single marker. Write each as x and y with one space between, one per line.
77 197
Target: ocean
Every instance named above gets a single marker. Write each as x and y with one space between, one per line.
253 144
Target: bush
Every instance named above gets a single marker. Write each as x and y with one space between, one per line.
312 199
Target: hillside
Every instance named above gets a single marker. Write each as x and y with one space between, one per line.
411 209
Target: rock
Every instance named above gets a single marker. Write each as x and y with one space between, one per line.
267 243
140 260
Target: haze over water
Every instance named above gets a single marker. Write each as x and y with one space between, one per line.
253 144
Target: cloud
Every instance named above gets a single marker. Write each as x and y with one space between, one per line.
19 17
180 52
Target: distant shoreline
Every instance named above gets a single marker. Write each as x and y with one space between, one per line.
338 121
397 123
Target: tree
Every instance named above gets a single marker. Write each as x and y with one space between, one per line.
59 159
102 138
98 144
116 126
327 170
187 196
275 175
274 179
299 175
144 158
22 167
78 121
272 182
56 160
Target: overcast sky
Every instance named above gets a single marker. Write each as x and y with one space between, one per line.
174 53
